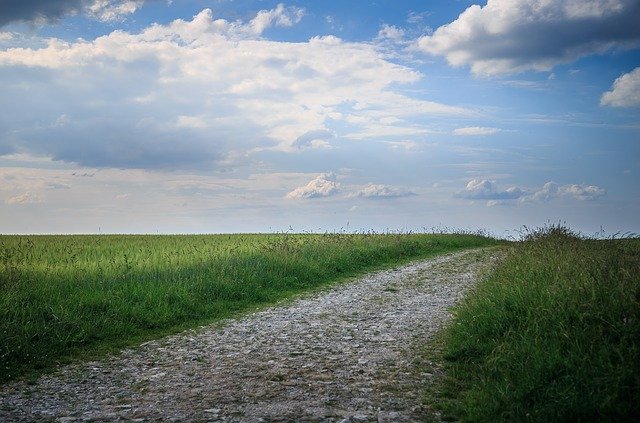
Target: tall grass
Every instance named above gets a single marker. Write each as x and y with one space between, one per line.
67 296
552 335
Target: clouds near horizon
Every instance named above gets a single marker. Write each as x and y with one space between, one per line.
323 185
483 189
381 191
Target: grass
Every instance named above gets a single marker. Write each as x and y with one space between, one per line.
64 297
552 335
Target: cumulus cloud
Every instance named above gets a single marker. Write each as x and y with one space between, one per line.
197 93
625 91
280 16
324 185
547 192
551 190
483 189
475 130
510 36
26 198
582 192
51 10
382 191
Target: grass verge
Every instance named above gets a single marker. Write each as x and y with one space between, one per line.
64 297
552 335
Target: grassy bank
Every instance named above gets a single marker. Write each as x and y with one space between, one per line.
552 335
68 296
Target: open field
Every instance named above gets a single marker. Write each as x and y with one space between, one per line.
69 296
338 354
552 335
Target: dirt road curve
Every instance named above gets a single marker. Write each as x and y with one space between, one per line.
341 355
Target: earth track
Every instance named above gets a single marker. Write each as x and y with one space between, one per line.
344 354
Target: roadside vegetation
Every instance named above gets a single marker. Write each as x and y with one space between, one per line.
64 297
552 335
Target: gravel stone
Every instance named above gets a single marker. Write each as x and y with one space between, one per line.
344 354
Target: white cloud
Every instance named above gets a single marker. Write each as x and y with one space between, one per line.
483 189
26 198
381 191
280 16
196 93
6 36
112 10
551 190
391 32
510 36
582 192
625 91
323 185
475 130
546 193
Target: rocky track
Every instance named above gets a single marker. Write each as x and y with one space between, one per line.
345 354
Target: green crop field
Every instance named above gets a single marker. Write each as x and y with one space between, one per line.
63 297
552 335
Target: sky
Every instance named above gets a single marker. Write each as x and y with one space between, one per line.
209 116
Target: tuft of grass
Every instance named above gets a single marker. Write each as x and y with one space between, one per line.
552 335
64 297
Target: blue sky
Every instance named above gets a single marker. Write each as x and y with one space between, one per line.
197 116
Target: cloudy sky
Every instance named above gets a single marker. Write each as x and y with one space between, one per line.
187 116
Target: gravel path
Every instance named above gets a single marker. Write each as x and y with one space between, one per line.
340 355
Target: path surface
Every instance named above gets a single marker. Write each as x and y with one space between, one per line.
343 354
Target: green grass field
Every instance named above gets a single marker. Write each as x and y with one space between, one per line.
552 335
63 297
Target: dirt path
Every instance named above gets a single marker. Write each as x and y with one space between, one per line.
344 354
